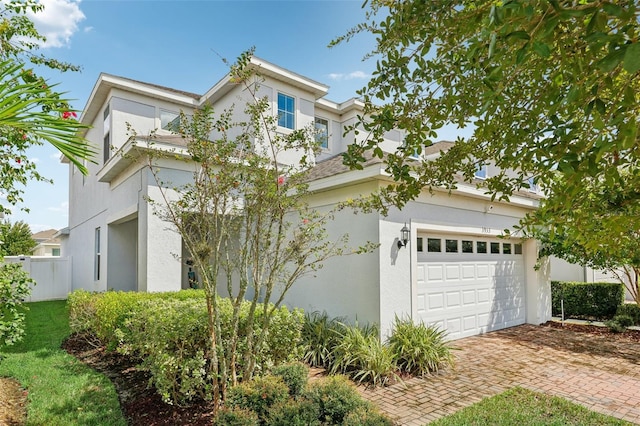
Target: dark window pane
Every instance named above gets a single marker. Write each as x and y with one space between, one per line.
506 248
452 246
517 248
495 248
434 245
467 246
419 244
481 247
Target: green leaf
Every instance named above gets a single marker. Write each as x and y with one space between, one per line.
492 44
541 49
612 60
631 62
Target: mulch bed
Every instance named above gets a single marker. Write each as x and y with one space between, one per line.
627 336
140 403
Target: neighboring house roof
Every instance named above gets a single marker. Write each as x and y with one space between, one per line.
45 236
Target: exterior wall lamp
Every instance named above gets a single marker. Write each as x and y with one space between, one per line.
404 237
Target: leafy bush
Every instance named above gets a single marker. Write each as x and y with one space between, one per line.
294 375
258 395
366 416
336 397
624 320
15 286
320 335
235 417
419 349
168 331
630 309
301 412
586 300
170 337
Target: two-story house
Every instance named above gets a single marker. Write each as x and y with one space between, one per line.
453 270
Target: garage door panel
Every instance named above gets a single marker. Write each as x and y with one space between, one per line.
436 301
454 299
470 293
434 272
452 272
468 297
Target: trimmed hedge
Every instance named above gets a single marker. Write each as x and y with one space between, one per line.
598 301
169 333
631 310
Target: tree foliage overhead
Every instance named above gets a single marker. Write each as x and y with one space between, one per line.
16 239
32 111
549 87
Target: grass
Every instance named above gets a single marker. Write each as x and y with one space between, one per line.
523 407
62 391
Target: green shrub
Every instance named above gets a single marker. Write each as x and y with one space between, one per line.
624 320
82 311
170 336
295 375
336 397
361 355
630 309
320 335
235 417
366 416
301 412
258 395
419 349
586 300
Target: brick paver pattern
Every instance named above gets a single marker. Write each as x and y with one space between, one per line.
591 370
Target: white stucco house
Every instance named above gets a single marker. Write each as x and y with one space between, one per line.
454 270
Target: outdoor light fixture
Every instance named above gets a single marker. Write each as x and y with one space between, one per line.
404 237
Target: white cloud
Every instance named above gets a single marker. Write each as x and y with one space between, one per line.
360 75
55 156
58 21
87 29
34 160
62 208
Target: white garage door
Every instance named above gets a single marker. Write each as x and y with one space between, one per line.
469 285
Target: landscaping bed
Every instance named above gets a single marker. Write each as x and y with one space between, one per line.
627 335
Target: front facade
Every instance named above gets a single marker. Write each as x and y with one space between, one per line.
454 270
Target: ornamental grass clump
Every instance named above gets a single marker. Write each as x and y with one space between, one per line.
419 349
320 335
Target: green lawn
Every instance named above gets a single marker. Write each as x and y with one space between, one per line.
523 407
62 391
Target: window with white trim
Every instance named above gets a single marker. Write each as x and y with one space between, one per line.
286 111
322 132
481 172
106 141
169 120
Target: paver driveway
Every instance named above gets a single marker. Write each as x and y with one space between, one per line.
587 369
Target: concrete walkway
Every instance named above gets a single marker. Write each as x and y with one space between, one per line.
593 371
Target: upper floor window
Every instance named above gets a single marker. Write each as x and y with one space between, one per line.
533 186
286 111
169 120
322 132
106 139
481 172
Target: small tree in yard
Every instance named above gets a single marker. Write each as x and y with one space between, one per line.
16 239
598 230
244 219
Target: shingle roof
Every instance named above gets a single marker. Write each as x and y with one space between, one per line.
44 235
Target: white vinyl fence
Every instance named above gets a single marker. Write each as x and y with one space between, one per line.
51 274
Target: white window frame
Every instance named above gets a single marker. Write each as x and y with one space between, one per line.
167 111
481 172
293 113
325 146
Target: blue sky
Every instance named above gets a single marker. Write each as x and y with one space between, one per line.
179 44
